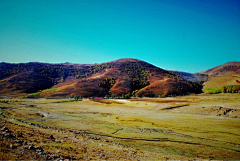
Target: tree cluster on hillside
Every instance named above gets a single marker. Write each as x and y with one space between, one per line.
7 69
107 82
51 71
138 72
231 89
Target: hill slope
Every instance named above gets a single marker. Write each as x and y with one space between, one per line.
116 78
223 75
25 82
199 78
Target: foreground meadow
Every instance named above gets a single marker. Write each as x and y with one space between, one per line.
190 127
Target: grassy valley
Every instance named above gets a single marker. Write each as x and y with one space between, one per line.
200 127
121 110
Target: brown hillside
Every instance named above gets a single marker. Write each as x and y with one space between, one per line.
95 85
115 78
223 75
122 77
169 86
223 69
26 82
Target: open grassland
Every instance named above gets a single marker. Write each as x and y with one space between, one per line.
200 127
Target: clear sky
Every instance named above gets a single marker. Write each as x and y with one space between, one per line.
184 35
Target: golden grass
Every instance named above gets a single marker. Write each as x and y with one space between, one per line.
224 80
140 123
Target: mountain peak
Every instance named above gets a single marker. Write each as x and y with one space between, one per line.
232 63
127 60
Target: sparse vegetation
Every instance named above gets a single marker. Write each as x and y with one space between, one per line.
223 89
190 127
76 98
107 83
35 94
125 124
117 78
231 89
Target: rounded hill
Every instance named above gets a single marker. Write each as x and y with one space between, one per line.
123 77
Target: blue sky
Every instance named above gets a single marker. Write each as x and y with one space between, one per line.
184 35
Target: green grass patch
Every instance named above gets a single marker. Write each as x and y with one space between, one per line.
222 89
37 94
212 90
50 90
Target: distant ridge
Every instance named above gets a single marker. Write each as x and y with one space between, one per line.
123 77
230 66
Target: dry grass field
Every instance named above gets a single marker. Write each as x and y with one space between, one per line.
189 127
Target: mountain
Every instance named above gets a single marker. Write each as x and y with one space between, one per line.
224 75
215 79
116 78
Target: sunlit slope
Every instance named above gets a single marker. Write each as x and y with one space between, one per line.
127 77
223 75
124 77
